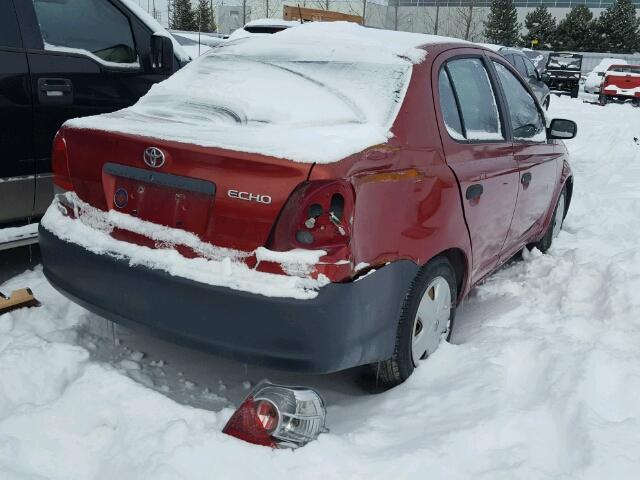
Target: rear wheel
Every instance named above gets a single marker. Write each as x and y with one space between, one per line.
574 91
426 320
556 223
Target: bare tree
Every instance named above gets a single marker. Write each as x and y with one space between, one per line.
467 21
435 25
270 9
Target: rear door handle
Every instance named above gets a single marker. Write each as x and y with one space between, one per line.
58 91
525 179
474 191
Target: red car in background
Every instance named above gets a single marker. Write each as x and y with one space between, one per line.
308 204
621 82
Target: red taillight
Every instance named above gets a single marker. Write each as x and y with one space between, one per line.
317 216
246 425
60 163
278 416
267 414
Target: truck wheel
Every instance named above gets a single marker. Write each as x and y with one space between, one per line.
556 223
426 319
574 91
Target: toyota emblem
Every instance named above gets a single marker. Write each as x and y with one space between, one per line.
154 157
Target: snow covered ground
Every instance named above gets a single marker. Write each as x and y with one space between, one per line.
542 379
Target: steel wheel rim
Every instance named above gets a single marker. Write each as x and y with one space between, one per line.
558 217
432 320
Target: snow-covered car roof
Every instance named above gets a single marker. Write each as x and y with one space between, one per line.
492 46
605 63
315 93
262 26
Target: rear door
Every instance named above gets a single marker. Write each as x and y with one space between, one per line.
86 57
536 157
478 150
17 181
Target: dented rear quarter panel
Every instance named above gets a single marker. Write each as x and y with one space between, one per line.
408 202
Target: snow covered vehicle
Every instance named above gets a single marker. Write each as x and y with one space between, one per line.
621 82
593 82
311 200
562 72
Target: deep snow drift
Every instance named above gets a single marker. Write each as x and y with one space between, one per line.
542 379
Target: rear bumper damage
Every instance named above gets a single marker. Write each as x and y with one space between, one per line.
344 325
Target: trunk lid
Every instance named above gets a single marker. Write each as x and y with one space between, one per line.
227 198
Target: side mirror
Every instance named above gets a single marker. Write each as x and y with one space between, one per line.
161 54
562 129
544 76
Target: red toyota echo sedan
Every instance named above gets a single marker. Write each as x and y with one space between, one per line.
312 200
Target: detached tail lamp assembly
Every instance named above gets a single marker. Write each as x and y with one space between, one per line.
278 417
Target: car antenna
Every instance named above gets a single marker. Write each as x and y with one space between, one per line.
300 13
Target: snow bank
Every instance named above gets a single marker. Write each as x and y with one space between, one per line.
314 93
542 380
220 267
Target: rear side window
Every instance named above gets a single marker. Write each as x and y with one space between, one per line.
448 106
526 120
92 27
531 70
9 32
476 100
520 66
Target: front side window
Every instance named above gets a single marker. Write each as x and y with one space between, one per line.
526 120
476 101
92 27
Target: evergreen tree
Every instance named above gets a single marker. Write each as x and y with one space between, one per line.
182 16
204 16
501 26
541 26
577 31
619 28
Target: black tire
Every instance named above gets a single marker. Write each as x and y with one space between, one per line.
574 91
545 242
395 370
603 99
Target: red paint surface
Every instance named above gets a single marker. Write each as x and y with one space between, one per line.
625 82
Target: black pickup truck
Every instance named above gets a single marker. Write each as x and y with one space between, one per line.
562 73
61 59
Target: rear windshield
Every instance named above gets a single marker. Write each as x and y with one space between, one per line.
564 62
626 69
223 89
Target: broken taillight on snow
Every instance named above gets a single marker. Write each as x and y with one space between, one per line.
278 416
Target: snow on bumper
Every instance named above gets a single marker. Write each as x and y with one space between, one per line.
342 326
72 220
